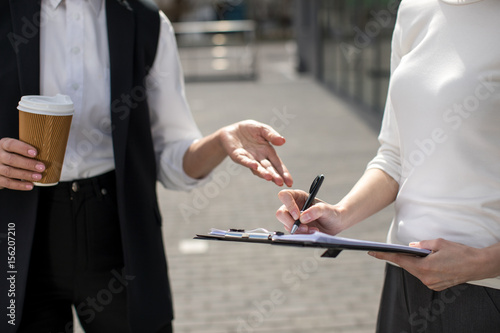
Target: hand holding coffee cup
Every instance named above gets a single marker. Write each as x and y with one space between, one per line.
18 168
44 123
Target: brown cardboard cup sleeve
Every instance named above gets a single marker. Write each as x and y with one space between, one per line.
44 123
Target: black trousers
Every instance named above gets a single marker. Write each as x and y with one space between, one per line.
77 261
407 305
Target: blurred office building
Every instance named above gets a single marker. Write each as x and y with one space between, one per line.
344 44
217 38
273 18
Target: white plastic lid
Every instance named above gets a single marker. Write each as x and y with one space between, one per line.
58 105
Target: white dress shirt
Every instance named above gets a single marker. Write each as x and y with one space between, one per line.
74 60
440 136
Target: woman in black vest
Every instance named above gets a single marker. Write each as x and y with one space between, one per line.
95 242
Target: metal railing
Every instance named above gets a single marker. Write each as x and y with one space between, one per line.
217 49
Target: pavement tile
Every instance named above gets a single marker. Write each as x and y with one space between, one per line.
230 287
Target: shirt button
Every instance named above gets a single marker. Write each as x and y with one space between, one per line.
75 50
75 86
76 16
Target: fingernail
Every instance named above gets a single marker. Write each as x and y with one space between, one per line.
36 176
305 218
413 244
32 152
371 253
295 215
29 186
40 166
302 229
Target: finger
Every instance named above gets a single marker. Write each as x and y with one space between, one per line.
283 215
280 167
305 229
287 177
18 147
19 174
313 213
276 177
14 184
241 156
288 199
414 266
271 135
263 173
20 162
434 245
262 168
381 255
407 262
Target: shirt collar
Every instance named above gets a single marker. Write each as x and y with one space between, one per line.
95 4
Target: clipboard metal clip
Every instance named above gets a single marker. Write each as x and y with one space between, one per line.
331 253
259 233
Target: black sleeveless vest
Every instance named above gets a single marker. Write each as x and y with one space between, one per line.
133 30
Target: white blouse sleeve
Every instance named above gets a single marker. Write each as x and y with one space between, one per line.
172 125
388 157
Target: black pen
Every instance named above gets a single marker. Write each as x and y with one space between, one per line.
312 194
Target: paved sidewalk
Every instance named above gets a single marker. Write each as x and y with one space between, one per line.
232 287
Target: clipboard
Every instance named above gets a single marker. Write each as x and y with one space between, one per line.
333 244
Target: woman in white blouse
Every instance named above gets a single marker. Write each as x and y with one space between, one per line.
439 162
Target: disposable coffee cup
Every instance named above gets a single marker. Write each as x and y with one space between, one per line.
44 123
